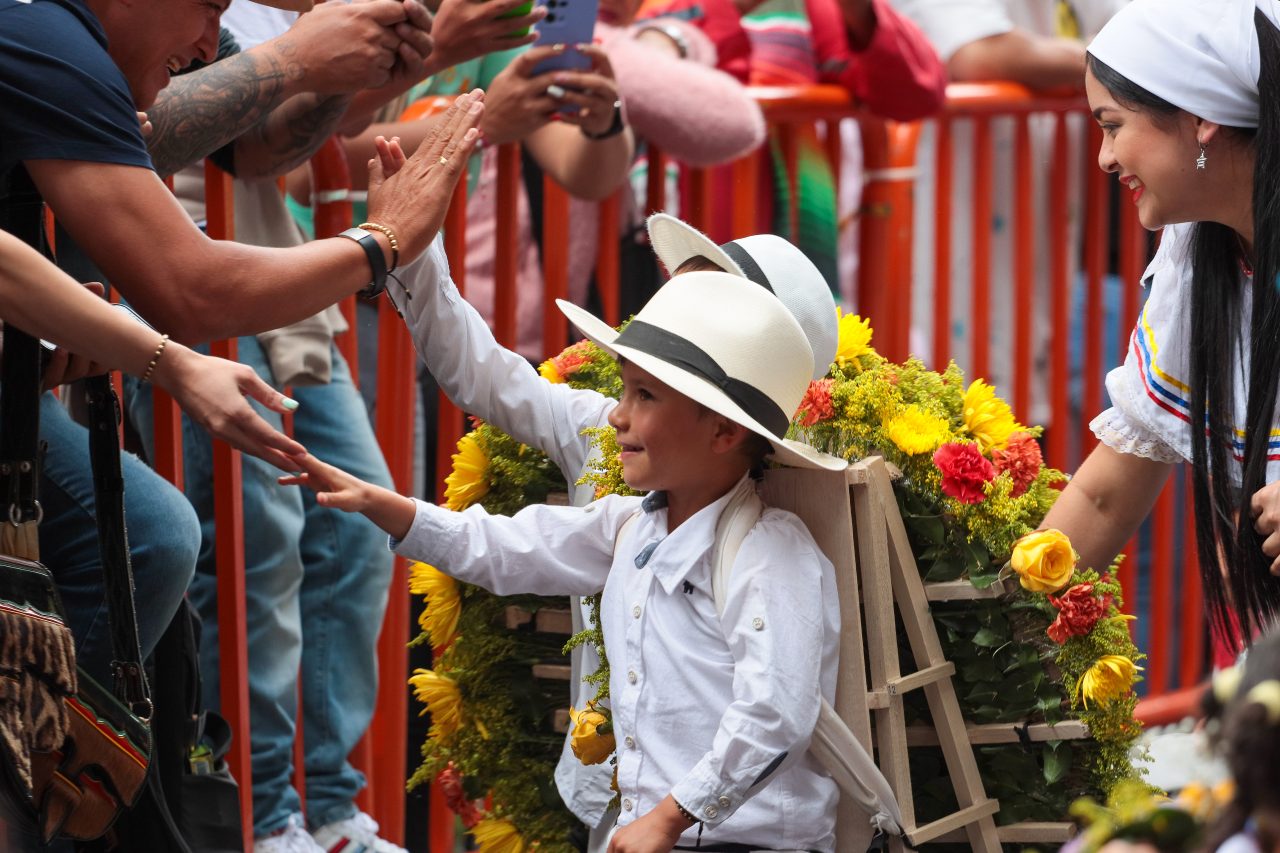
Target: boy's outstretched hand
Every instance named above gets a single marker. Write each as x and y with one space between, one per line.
336 489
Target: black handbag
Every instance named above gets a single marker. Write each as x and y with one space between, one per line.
73 755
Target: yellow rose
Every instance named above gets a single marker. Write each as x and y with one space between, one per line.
1111 677
589 744
1044 560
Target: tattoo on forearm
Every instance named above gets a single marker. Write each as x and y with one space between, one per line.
200 112
290 135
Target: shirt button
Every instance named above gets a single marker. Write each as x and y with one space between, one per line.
635 611
630 742
632 678
711 812
626 805
724 802
757 623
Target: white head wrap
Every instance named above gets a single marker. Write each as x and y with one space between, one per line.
1199 55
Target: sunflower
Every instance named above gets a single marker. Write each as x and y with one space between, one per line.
440 617
854 339
468 482
1111 677
494 835
440 694
916 431
988 418
547 370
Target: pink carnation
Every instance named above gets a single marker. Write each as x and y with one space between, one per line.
816 406
451 786
964 471
1022 460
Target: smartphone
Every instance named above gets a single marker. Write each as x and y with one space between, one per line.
519 12
568 22
131 313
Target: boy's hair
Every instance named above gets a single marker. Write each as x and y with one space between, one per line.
698 263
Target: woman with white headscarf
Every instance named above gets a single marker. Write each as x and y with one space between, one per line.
1187 93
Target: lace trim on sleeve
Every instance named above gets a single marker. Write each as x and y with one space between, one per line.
1123 435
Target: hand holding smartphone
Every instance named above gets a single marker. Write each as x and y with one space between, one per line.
568 22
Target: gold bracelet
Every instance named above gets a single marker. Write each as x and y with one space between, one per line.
155 358
684 813
391 238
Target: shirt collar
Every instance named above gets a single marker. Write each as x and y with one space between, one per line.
676 554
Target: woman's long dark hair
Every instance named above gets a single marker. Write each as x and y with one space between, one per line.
1248 598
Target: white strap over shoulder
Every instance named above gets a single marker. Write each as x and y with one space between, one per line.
833 744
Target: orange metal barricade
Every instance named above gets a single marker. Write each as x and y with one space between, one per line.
888 224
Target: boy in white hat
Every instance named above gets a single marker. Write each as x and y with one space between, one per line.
712 713
500 387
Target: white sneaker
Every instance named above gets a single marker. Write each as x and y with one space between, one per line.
356 834
293 838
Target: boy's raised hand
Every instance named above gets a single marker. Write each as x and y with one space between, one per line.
336 489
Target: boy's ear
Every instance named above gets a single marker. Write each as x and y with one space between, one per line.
728 436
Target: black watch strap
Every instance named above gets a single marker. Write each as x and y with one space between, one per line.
377 262
614 129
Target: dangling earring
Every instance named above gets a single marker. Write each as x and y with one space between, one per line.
1200 161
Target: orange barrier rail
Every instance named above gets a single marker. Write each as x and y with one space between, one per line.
889 226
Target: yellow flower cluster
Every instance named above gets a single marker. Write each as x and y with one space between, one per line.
854 337
988 418
916 431
444 605
440 695
1110 678
547 370
468 482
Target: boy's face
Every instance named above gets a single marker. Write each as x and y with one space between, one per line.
667 440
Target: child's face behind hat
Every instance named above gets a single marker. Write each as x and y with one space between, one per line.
673 444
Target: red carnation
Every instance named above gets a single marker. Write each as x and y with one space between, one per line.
964 471
451 786
1078 611
816 406
1021 459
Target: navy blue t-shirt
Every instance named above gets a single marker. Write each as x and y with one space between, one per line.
61 96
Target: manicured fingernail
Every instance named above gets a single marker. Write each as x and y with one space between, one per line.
289 403
554 91
558 48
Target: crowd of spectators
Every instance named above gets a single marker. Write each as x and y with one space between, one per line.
102 99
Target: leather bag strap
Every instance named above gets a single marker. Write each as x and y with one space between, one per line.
113 544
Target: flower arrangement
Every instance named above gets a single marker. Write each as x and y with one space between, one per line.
1136 814
972 489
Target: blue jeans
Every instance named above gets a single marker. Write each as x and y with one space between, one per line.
164 536
316 590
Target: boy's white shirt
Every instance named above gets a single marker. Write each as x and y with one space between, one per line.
483 377
488 380
705 707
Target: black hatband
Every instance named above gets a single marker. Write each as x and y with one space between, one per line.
750 268
685 354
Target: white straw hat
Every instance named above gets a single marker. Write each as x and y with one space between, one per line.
728 345
769 261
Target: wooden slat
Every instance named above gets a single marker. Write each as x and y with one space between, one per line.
996 733
554 671
964 819
962 590
1027 832
921 678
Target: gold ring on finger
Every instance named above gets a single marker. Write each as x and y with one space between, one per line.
444 160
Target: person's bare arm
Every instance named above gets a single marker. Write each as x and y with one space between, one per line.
1040 62
283 98
43 301
1109 496
198 289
